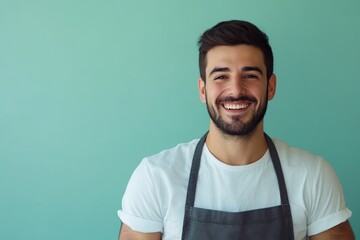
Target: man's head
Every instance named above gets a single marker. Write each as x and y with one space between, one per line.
237 80
230 33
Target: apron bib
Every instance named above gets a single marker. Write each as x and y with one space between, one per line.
273 223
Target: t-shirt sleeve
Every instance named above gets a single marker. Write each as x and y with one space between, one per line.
327 203
141 203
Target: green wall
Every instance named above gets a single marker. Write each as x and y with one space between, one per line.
88 88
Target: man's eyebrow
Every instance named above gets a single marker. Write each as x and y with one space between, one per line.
247 69
219 69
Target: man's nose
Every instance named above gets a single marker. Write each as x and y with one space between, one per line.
237 86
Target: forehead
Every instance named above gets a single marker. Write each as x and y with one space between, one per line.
234 57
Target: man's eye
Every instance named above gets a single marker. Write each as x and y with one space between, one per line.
251 76
221 77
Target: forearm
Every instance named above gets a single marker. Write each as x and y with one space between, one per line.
126 233
342 231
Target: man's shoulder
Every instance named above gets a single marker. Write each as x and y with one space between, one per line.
179 154
295 155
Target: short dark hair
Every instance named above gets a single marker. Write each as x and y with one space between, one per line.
234 32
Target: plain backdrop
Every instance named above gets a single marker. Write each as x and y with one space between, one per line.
89 88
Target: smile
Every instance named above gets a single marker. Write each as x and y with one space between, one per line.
235 106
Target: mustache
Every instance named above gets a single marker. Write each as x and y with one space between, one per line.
236 99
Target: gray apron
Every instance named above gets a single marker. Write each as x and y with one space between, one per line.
273 223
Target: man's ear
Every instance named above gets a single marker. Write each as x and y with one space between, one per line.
202 90
271 87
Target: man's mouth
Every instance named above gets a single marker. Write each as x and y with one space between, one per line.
234 106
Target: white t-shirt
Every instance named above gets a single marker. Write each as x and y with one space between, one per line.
154 200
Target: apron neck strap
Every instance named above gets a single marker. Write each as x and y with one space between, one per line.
194 172
190 197
278 170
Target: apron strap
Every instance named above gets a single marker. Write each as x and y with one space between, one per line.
191 190
278 170
194 172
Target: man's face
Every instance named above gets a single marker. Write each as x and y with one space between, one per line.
236 90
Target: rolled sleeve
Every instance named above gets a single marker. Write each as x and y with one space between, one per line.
328 222
328 205
140 224
141 204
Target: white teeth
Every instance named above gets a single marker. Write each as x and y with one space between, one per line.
235 106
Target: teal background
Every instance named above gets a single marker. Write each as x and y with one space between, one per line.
89 88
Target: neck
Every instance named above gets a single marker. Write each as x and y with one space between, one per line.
234 150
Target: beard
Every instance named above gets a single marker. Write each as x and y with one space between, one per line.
237 127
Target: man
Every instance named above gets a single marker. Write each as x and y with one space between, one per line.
235 182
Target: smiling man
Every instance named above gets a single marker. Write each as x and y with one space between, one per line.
235 182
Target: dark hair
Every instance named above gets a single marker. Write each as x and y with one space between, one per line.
234 32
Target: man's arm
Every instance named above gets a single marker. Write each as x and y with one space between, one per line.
127 234
339 232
